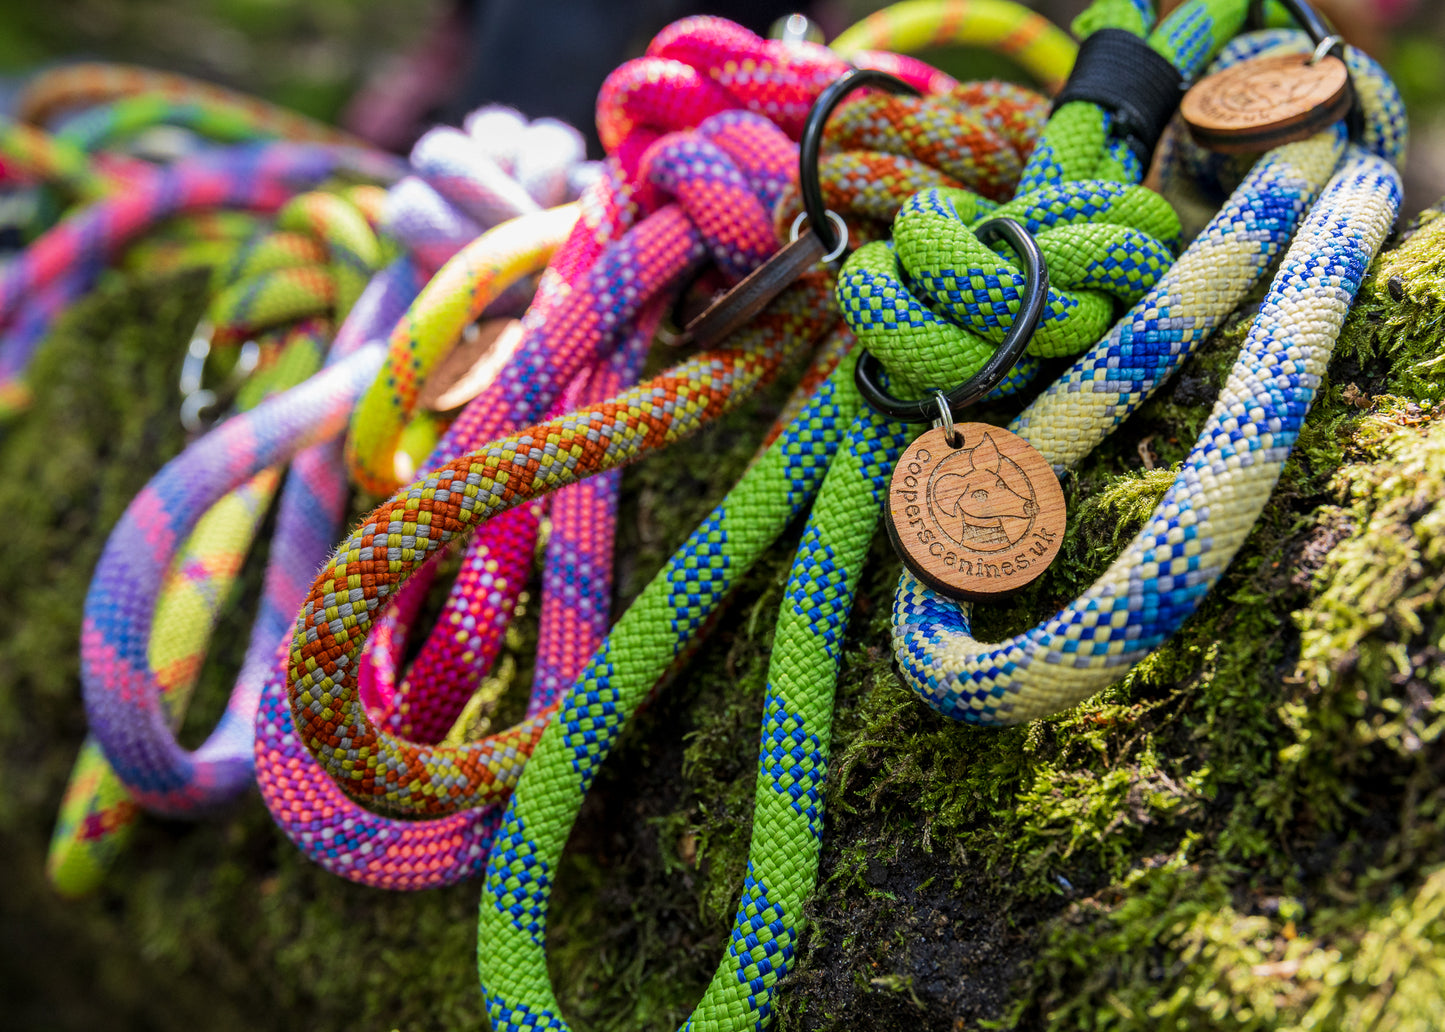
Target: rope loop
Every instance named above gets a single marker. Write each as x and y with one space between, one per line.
700 66
935 303
1352 194
1205 516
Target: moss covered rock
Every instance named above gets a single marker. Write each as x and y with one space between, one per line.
1248 832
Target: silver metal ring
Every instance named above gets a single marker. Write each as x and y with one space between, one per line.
1322 51
838 224
193 408
794 29
945 418
193 368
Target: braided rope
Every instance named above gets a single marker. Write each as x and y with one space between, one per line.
97 813
1041 48
256 272
580 579
1193 534
98 810
464 287
698 581
721 128
401 534
1203 518
881 149
89 84
390 853
451 169
63 263
714 172
1075 187
29 155
121 694
733 132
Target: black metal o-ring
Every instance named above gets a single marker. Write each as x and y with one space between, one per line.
812 142
1031 309
1318 31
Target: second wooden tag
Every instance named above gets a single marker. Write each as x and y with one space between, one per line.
978 517
1266 101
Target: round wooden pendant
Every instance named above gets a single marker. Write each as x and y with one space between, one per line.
976 519
1266 101
470 366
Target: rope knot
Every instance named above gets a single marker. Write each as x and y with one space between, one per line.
880 149
727 174
701 66
935 302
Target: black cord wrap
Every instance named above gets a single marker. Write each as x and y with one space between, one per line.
1125 76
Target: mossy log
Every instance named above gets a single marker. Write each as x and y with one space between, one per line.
1248 832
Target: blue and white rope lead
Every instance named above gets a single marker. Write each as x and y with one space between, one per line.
1227 478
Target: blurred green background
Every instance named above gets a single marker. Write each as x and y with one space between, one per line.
309 55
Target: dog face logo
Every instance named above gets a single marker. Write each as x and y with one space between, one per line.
1265 90
983 499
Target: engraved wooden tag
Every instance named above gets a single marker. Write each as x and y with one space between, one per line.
470 366
979 520
752 294
1266 101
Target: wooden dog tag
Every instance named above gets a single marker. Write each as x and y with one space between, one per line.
978 518
471 366
754 293
1266 101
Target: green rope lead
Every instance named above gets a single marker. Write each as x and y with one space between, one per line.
798 723
655 628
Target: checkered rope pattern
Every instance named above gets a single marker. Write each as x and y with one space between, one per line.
935 303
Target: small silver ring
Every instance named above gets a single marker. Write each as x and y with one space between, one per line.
198 349
945 418
192 408
1322 51
838 224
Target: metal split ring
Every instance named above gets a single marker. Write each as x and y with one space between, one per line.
838 224
1326 42
812 142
